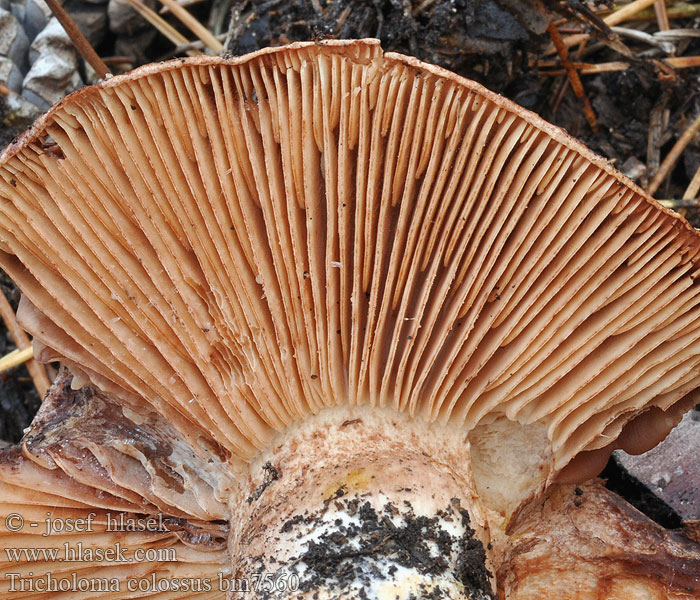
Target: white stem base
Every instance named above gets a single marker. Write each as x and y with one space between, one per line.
361 503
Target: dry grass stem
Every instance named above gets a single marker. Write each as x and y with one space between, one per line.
691 193
676 62
679 204
676 11
661 15
619 16
161 25
16 358
36 371
164 10
194 26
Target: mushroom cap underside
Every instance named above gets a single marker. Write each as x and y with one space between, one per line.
237 243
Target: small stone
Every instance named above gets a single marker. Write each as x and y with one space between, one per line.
10 76
90 18
13 41
634 168
36 16
124 19
53 36
19 112
54 70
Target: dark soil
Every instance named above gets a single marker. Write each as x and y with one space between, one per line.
351 554
19 400
481 39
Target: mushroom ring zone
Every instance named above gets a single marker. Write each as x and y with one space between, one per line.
337 324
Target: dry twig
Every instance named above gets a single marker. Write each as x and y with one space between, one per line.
79 40
574 79
656 126
672 157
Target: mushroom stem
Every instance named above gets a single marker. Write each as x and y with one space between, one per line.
361 503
